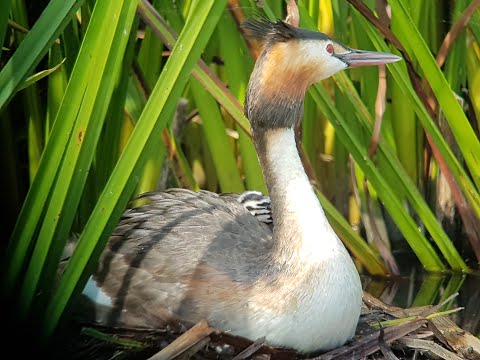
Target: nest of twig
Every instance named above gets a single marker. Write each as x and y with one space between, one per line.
383 331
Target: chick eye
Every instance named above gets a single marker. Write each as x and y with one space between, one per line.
330 49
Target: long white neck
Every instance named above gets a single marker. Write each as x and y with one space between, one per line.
302 232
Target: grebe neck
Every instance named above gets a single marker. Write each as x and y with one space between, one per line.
302 233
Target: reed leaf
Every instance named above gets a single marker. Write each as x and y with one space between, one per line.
428 291
404 186
119 118
400 75
4 16
29 53
202 72
216 136
99 62
473 67
57 85
158 109
35 45
459 124
40 75
239 66
31 99
150 62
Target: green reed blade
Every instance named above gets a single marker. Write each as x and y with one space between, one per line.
458 122
98 63
37 42
53 19
158 109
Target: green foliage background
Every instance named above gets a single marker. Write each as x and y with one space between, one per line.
102 100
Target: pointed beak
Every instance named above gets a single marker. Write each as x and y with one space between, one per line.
355 58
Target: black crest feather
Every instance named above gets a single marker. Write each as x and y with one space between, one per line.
264 29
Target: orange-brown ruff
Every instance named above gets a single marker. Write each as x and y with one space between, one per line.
194 256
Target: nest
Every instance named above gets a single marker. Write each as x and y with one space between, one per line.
383 332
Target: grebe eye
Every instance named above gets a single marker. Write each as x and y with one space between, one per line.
330 49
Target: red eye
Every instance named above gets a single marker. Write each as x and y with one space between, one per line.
330 48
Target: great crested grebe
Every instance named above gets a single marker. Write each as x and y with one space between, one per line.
193 256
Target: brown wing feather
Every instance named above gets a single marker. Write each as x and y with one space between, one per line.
159 257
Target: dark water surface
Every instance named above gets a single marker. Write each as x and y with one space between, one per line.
419 288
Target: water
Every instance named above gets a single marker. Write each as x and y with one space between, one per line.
419 288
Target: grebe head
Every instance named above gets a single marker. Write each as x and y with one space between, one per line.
293 59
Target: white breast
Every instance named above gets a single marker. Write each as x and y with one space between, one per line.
320 314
